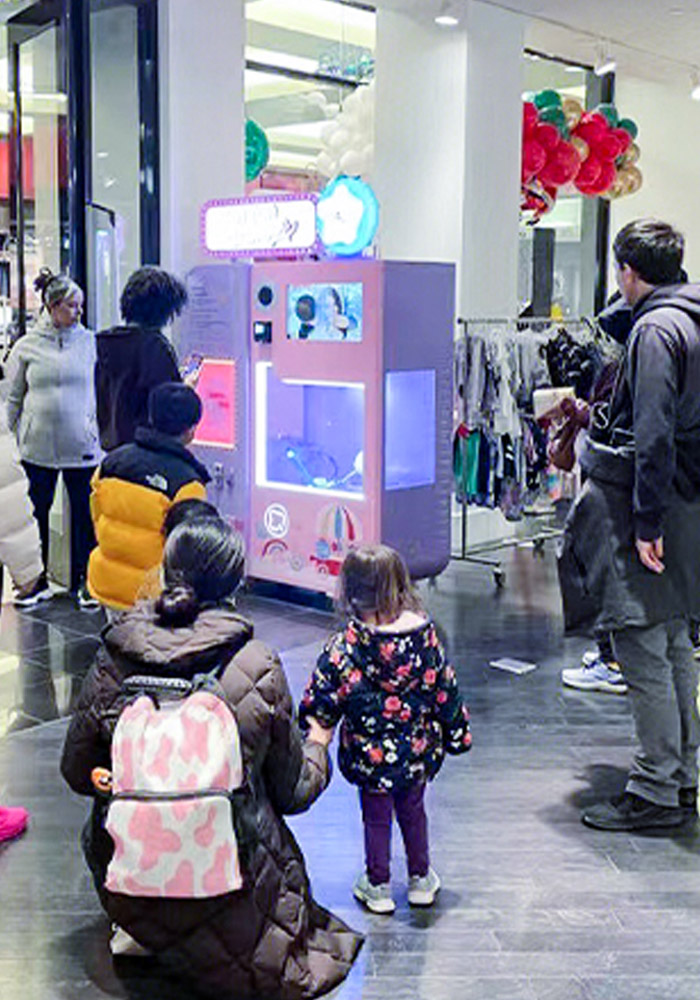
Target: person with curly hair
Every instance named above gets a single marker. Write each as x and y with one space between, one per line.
134 358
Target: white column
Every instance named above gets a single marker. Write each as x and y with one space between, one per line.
489 272
419 123
202 117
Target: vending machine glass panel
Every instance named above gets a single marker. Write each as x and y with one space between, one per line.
409 436
310 435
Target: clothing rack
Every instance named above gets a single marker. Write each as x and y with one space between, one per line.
538 331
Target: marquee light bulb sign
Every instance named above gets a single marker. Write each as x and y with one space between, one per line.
341 222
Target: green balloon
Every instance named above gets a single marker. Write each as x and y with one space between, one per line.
553 115
629 126
547 99
257 150
609 111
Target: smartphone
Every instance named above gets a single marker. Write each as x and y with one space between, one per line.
191 367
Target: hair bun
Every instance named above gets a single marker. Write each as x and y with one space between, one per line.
43 279
177 606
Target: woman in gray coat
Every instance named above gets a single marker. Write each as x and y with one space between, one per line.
52 410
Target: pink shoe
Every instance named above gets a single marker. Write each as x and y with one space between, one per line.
12 822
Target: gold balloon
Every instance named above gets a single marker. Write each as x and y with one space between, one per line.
631 178
631 155
573 110
581 147
616 189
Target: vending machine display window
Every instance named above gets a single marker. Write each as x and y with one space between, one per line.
409 430
309 434
325 312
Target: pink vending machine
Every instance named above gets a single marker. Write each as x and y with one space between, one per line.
339 428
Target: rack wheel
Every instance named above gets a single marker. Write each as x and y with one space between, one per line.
432 582
538 546
499 578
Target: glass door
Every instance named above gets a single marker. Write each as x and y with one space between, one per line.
39 152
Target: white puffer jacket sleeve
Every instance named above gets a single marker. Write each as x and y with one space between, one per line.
20 550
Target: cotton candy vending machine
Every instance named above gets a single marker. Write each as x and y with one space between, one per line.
327 390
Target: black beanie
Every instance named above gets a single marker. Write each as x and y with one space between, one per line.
174 408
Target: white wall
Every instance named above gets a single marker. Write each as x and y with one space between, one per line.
419 152
202 117
489 283
669 138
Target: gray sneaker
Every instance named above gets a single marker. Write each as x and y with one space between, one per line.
376 898
595 675
422 889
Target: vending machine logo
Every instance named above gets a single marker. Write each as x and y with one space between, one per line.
276 520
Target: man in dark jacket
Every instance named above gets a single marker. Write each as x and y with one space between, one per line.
135 358
631 556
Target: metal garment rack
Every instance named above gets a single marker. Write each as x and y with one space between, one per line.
480 556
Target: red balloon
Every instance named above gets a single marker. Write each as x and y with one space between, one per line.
589 172
606 178
530 118
609 147
562 167
547 135
534 158
592 128
624 138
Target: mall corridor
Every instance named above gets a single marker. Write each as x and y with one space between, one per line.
534 906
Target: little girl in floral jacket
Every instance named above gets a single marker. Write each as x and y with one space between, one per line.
385 676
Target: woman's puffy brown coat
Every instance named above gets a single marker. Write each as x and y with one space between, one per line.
270 939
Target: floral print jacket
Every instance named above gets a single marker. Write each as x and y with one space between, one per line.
398 701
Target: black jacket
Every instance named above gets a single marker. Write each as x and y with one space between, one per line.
131 360
657 400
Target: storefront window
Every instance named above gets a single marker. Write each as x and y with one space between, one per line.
558 272
299 71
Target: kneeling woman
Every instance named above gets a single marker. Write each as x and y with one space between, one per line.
270 938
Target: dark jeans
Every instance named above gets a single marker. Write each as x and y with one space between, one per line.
42 487
377 809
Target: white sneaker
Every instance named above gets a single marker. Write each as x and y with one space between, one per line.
422 889
595 676
376 898
124 945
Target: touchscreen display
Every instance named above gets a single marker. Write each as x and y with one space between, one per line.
325 312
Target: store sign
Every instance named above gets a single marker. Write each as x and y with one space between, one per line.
269 226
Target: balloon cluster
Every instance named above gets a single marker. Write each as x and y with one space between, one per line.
348 141
564 146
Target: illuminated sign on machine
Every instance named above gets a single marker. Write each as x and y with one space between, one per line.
216 387
268 226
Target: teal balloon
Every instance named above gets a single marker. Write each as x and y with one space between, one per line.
547 99
609 112
554 115
257 150
629 126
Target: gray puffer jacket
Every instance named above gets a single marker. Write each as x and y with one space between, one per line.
51 396
270 939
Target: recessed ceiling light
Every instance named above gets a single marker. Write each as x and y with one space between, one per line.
445 18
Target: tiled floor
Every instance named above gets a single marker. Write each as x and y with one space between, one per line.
534 906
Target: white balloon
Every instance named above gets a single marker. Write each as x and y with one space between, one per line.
332 110
350 120
339 140
317 98
351 163
327 131
324 164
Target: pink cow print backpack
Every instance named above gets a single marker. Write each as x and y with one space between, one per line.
176 774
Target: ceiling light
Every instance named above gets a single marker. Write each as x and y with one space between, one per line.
445 18
605 63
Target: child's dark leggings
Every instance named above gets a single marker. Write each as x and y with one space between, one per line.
377 809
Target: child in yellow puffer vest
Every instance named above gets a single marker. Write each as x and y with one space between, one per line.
133 490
